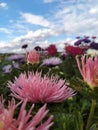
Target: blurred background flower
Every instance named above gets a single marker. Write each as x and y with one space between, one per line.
51 50
52 61
32 57
73 50
16 57
7 68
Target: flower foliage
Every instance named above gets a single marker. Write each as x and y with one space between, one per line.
24 121
37 89
88 67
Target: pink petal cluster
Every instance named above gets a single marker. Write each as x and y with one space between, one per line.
24 121
88 67
37 89
32 57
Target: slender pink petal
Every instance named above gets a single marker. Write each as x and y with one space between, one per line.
37 89
88 67
25 120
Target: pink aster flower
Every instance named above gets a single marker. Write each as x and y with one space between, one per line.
37 89
24 121
88 67
32 57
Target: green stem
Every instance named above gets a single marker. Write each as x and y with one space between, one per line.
80 120
91 114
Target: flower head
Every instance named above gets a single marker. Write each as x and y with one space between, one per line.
94 45
37 89
24 46
16 57
92 52
24 121
52 50
88 67
32 57
77 43
52 61
7 68
38 48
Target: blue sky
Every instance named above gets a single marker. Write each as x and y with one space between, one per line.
44 22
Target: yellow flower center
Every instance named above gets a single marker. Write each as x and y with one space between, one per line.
1 125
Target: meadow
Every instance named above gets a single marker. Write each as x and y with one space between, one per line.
66 83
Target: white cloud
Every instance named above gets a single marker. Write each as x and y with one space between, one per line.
70 18
94 10
79 18
3 5
48 1
36 19
51 1
35 37
3 44
5 30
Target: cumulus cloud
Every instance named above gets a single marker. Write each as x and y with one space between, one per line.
79 18
36 19
70 18
37 38
3 5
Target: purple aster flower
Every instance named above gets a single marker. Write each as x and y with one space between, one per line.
52 61
16 57
7 68
86 40
15 65
78 42
94 45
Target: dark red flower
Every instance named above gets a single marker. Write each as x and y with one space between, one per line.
52 50
72 50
